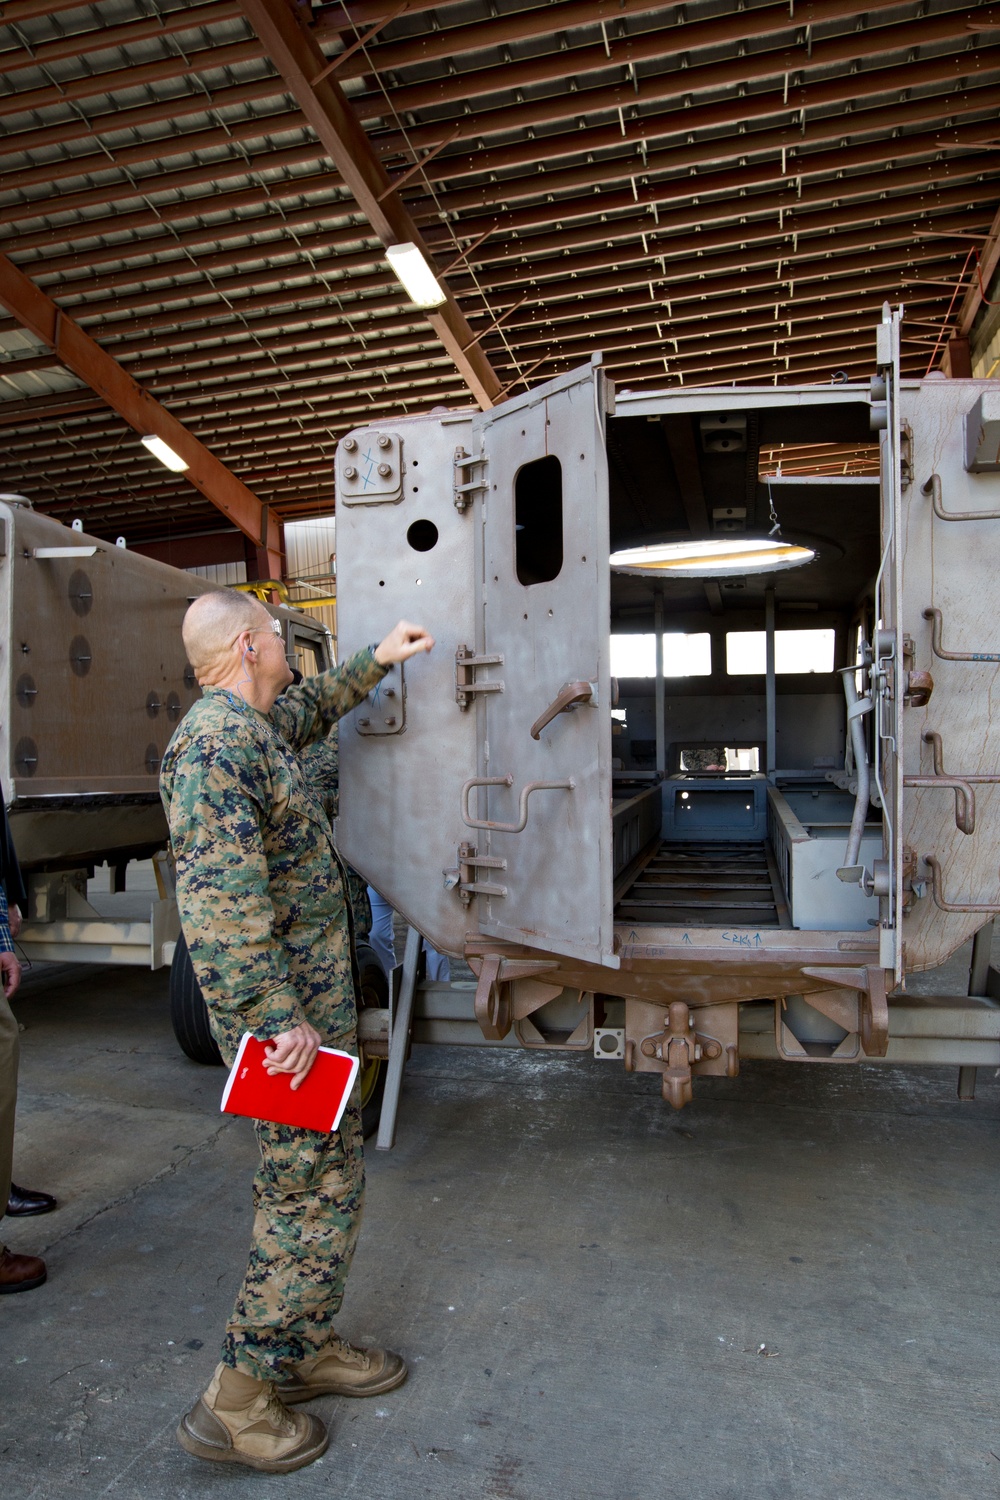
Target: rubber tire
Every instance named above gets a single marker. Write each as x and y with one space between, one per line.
374 990
188 1011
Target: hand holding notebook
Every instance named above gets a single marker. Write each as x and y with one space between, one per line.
317 1103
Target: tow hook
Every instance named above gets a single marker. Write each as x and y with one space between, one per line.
678 1047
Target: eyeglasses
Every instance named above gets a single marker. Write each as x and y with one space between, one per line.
273 625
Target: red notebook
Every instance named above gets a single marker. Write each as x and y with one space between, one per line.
317 1103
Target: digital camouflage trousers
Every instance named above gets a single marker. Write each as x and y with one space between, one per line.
307 1213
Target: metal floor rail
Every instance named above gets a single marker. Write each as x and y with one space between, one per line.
705 885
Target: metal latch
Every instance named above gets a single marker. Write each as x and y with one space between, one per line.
466 664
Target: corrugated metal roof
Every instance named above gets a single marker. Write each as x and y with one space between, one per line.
708 192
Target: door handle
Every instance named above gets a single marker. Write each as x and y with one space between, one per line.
522 809
568 697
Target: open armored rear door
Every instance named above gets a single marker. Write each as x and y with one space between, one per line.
539 806
887 676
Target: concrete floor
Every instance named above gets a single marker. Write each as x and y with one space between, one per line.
784 1291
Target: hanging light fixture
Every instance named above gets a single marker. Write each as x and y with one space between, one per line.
712 559
418 280
161 450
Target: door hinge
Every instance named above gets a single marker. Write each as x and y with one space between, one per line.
466 876
465 487
466 663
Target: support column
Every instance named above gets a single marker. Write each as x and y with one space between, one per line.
982 946
770 701
661 734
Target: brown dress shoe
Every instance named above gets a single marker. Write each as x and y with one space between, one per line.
19 1273
239 1420
342 1370
22 1201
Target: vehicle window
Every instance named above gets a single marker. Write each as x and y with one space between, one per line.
683 655
307 656
794 651
538 521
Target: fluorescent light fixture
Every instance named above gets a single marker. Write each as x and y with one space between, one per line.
711 559
419 281
159 449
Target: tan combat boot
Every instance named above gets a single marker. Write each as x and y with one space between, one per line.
339 1369
239 1420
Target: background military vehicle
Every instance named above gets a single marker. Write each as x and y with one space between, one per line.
529 814
94 681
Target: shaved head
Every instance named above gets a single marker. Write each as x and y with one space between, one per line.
213 622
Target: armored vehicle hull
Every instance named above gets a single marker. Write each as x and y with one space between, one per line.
560 829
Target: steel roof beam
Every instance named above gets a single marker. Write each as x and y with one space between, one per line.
317 247
341 210
315 435
335 239
693 344
93 85
686 81
682 186
299 61
564 266
940 69
100 38
601 333
231 200
901 243
310 284
702 300
176 181
787 152
659 88
176 107
202 406
157 149
688 38
79 353
757 243
477 36
669 374
202 403
732 264
365 12
975 297
695 292
686 122
769 213
811 262
28 10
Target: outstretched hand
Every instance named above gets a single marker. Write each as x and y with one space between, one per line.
293 1052
403 641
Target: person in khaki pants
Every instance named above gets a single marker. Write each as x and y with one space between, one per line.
18 1273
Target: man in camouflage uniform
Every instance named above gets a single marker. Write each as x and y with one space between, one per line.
705 760
261 897
320 763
